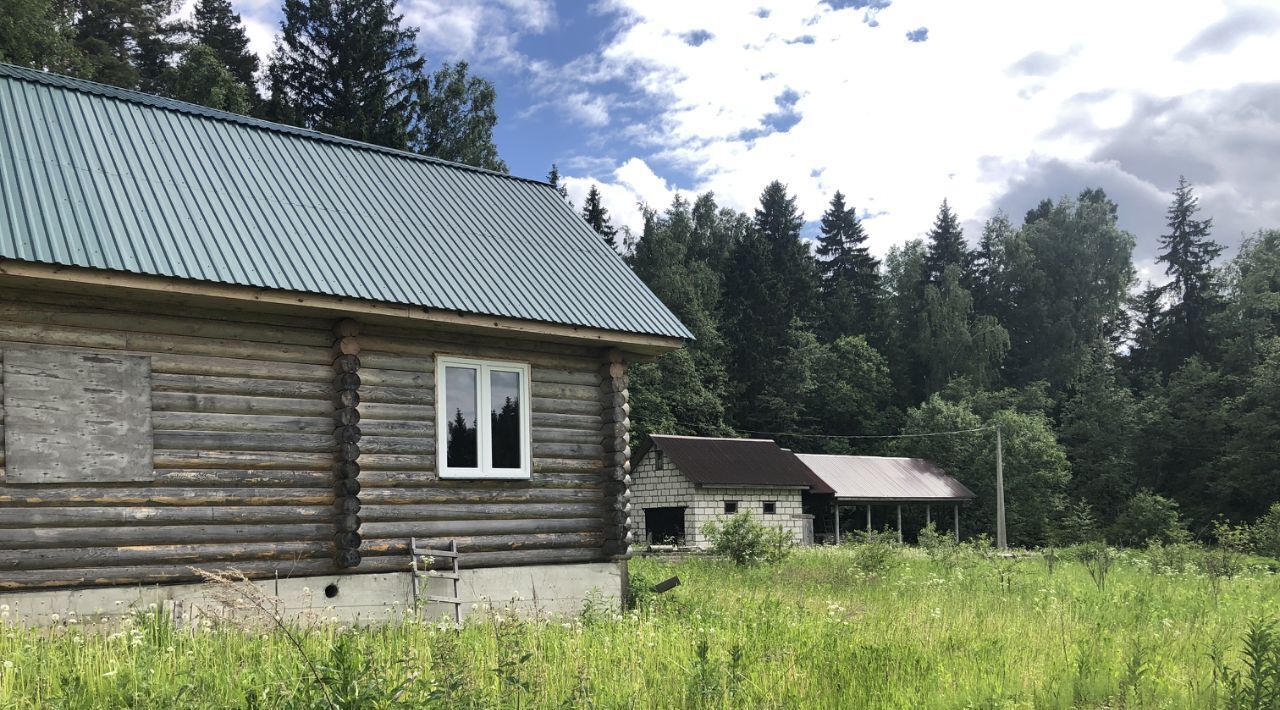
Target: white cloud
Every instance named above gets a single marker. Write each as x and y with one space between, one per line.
899 125
623 191
478 30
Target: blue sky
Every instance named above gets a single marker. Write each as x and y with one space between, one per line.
898 103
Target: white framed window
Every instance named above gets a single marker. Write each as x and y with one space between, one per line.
482 419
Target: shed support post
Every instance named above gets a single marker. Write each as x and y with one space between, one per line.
868 517
837 504
928 515
956 508
899 523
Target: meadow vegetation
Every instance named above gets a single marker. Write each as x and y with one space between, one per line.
869 624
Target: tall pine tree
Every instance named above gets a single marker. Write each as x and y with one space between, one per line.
850 276
598 217
946 246
1188 254
218 27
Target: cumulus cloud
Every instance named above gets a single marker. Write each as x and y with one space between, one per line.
981 115
1225 34
919 34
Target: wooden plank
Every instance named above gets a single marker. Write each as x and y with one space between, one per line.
228 441
200 421
247 386
103 516
235 404
72 416
240 478
58 496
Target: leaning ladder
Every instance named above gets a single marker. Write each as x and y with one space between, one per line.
450 554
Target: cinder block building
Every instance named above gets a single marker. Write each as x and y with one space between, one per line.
679 483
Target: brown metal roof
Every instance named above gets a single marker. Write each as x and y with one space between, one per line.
884 478
736 462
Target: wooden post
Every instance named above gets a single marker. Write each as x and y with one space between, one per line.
899 523
928 515
956 509
868 517
837 504
1002 540
346 433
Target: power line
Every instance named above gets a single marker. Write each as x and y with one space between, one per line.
869 436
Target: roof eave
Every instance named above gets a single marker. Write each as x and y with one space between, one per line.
160 288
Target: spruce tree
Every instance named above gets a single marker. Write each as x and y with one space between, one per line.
946 247
348 68
124 43
778 222
598 217
850 276
218 27
1188 254
553 177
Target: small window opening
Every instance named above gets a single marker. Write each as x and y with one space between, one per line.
730 507
770 507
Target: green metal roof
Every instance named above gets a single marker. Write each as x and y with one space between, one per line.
99 177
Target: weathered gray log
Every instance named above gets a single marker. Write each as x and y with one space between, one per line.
33 538
174 458
246 386
397 395
513 497
237 478
416 479
106 516
566 406
245 423
403 412
61 558
613 437
476 511
244 441
470 544
347 384
420 445
84 577
134 495
232 404
431 528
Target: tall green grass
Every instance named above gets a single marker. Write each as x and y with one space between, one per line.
822 629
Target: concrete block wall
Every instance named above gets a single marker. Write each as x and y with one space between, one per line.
659 484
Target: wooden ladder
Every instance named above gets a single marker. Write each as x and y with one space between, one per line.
450 554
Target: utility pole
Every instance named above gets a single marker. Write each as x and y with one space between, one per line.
1002 540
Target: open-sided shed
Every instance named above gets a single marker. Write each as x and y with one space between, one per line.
867 481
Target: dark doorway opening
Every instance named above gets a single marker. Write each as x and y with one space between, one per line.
665 526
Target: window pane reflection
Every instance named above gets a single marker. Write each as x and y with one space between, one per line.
460 398
504 411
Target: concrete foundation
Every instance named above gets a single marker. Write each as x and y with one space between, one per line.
356 598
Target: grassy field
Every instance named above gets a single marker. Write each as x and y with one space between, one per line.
964 631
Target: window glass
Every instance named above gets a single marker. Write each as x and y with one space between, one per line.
770 507
730 507
504 413
460 401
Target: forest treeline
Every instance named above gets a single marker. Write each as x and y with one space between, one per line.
349 68
1121 407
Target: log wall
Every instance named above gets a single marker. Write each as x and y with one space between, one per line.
290 446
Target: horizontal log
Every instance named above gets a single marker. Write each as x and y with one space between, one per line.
371 497
398 412
378 377
420 348
430 528
542 465
565 377
565 436
411 479
397 462
550 420
566 406
371 445
238 478
36 538
245 423
399 363
90 516
78 558
149 305
172 458
83 577
471 544
193 326
56 496
452 342
558 391
390 427
594 452
226 441
396 395
246 386
233 404
233 367
478 511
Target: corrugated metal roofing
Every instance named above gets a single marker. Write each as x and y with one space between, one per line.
98 177
885 478
736 462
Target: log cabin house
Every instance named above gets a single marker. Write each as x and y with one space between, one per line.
227 343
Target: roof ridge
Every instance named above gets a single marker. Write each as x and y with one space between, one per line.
88 86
